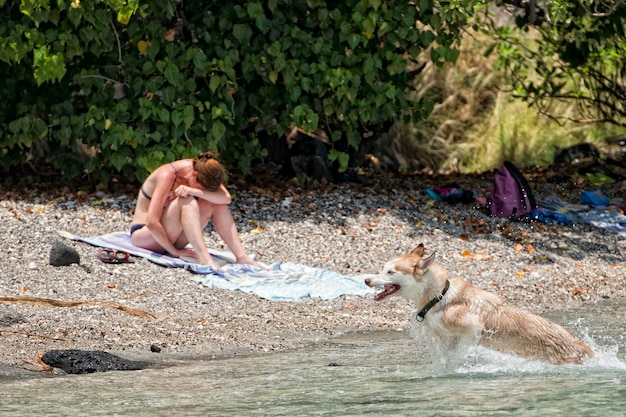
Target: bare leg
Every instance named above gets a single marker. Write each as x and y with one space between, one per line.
193 222
172 226
226 228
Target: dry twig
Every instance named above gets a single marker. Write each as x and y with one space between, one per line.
50 302
32 334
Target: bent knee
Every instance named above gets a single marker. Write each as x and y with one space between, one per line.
188 201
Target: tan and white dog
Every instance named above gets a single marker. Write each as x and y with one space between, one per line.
460 314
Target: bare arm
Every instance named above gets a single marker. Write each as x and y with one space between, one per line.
220 196
155 212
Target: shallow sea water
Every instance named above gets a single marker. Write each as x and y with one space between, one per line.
374 373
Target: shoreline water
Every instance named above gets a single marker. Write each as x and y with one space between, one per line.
349 228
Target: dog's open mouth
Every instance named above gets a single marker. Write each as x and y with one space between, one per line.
387 291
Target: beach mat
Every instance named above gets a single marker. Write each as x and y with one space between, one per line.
284 281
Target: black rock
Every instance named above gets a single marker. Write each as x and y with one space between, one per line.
63 255
576 153
74 361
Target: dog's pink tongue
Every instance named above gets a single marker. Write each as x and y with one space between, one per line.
387 291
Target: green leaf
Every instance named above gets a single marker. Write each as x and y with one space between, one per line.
168 95
125 10
242 33
218 130
214 83
341 157
172 74
201 64
177 117
188 116
48 67
164 114
40 129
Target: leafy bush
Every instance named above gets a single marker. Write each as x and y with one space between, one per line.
565 51
114 88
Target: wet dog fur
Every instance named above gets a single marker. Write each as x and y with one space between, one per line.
467 315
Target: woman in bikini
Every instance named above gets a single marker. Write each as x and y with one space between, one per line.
175 204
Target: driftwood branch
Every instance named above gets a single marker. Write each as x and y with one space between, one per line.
31 334
50 302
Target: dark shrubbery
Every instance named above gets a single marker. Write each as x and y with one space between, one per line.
112 88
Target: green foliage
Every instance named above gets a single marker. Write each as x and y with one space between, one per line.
480 124
565 50
514 132
116 88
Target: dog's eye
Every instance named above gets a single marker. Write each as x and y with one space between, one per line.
391 272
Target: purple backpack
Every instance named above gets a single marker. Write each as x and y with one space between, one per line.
511 196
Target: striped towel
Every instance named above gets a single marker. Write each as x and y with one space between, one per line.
285 281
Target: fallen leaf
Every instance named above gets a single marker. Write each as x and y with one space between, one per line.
464 237
475 256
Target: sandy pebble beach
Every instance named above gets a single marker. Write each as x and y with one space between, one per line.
349 228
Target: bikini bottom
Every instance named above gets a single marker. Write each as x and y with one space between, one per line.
135 227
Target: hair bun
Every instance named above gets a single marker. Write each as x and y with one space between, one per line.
205 156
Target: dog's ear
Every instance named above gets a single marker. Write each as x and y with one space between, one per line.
420 250
427 262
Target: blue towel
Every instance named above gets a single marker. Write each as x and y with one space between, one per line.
603 217
595 198
282 282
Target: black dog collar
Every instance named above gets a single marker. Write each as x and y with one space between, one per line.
420 316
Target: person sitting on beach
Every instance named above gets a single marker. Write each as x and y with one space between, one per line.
175 204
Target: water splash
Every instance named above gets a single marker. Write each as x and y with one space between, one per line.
480 360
